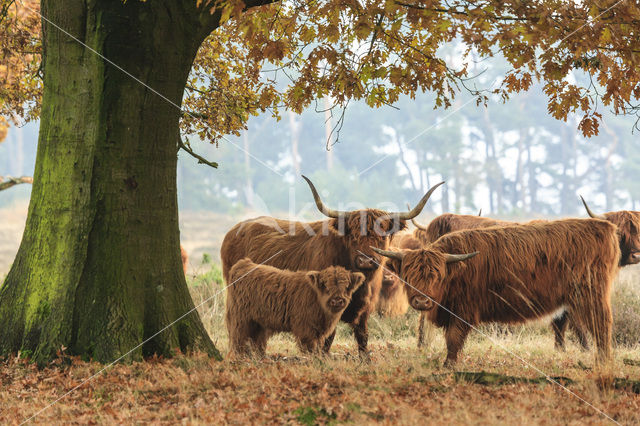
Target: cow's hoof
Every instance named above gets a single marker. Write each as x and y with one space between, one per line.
449 363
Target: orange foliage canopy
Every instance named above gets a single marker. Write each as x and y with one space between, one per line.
20 49
586 54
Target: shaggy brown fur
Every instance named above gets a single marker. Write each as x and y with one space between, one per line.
447 223
393 299
298 246
185 259
263 300
628 223
522 272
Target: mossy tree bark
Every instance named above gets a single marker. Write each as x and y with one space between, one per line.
99 269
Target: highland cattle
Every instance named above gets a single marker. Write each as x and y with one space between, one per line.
513 274
263 300
342 240
448 223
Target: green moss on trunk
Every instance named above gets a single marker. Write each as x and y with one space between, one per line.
99 269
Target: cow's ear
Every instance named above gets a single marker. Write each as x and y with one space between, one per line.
314 277
357 278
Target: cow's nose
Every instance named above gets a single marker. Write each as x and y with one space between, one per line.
365 262
337 302
422 303
387 280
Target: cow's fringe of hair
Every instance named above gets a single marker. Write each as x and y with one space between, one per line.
628 223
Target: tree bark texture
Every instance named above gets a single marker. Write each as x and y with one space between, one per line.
99 270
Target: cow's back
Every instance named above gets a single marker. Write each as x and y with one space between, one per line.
449 222
281 243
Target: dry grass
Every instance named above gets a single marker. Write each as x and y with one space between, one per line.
401 385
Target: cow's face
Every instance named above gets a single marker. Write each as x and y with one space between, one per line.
363 229
628 223
334 287
391 281
423 272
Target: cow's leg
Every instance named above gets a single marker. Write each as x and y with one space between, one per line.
455 334
425 331
239 335
326 347
260 338
559 325
361 333
578 330
257 335
601 322
593 313
421 330
308 345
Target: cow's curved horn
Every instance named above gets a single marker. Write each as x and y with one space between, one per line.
324 209
418 208
388 253
480 212
592 214
451 258
415 222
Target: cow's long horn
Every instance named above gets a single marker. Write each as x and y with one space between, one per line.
415 222
592 214
451 258
480 212
388 253
418 208
324 209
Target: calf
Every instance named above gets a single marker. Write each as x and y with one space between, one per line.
518 273
263 300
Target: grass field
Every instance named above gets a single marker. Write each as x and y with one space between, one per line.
498 380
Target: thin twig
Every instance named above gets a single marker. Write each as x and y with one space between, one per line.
11 181
201 160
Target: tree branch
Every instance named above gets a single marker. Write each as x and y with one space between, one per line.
11 181
201 160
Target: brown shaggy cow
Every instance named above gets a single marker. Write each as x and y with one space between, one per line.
263 300
628 223
521 272
393 299
447 223
343 240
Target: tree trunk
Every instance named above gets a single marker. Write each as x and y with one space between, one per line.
99 269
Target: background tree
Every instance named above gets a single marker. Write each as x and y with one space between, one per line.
98 270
